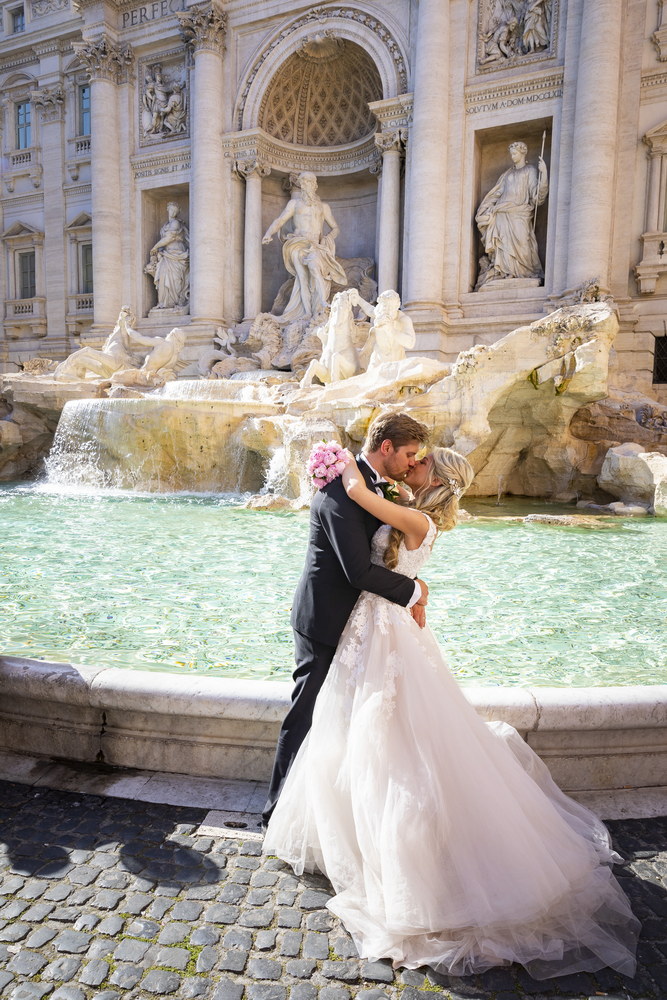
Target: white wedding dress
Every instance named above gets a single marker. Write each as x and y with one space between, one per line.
445 839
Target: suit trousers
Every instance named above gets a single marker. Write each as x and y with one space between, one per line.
313 660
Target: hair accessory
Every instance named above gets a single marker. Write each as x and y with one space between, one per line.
455 487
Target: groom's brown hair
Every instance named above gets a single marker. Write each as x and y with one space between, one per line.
398 428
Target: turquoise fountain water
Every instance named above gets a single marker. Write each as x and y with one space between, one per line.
195 583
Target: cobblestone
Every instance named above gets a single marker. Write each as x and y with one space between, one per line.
170 913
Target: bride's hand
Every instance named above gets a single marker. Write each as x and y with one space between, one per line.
351 475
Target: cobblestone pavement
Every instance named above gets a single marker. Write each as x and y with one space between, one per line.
112 899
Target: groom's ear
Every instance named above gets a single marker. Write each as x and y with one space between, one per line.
386 447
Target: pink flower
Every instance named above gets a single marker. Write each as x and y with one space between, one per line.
328 458
319 482
320 471
340 465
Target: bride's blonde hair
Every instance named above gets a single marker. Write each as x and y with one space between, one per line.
440 502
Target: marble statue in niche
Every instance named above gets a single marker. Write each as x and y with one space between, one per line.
506 221
163 106
169 263
308 252
510 29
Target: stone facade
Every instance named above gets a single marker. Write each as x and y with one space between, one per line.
112 109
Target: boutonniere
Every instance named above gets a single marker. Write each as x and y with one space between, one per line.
390 491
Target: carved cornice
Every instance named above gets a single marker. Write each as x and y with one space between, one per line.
255 144
320 15
654 80
175 162
496 97
393 112
104 59
50 103
245 168
203 26
656 140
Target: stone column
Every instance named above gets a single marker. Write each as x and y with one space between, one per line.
252 171
426 181
654 222
107 63
203 28
50 105
388 234
595 141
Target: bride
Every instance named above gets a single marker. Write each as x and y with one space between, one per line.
445 839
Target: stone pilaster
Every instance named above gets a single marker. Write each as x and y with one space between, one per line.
426 178
49 103
107 64
595 144
252 171
203 28
388 235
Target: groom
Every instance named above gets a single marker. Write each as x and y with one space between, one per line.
338 567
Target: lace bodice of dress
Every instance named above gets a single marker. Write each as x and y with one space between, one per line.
409 562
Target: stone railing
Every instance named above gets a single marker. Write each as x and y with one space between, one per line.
35 307
81 303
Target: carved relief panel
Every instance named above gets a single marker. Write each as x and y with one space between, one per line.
514 32
163 96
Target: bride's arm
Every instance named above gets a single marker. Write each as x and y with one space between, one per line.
411 522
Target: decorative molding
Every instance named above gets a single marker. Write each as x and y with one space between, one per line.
255 144
203 26
546 87
104 59
320 15
175 162
50 103
654 80
40 8
514 33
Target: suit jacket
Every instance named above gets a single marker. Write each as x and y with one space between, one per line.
338 565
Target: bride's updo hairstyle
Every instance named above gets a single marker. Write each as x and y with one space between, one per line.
441 502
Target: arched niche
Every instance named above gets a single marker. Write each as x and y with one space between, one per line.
364 29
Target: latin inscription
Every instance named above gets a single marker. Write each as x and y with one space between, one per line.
150 12
513 102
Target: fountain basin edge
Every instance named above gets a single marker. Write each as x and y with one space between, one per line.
605 746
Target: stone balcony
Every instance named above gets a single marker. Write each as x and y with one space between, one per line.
25 319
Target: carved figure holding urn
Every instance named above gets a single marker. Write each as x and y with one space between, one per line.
506 220
308 253
169 263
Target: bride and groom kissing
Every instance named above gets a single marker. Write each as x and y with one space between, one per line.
445 839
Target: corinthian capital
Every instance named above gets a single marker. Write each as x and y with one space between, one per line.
104 59
50 102
203 26
391 139
247 167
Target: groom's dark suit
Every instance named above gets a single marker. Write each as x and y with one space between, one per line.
338 566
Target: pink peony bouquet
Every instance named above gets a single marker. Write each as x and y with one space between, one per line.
326 462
